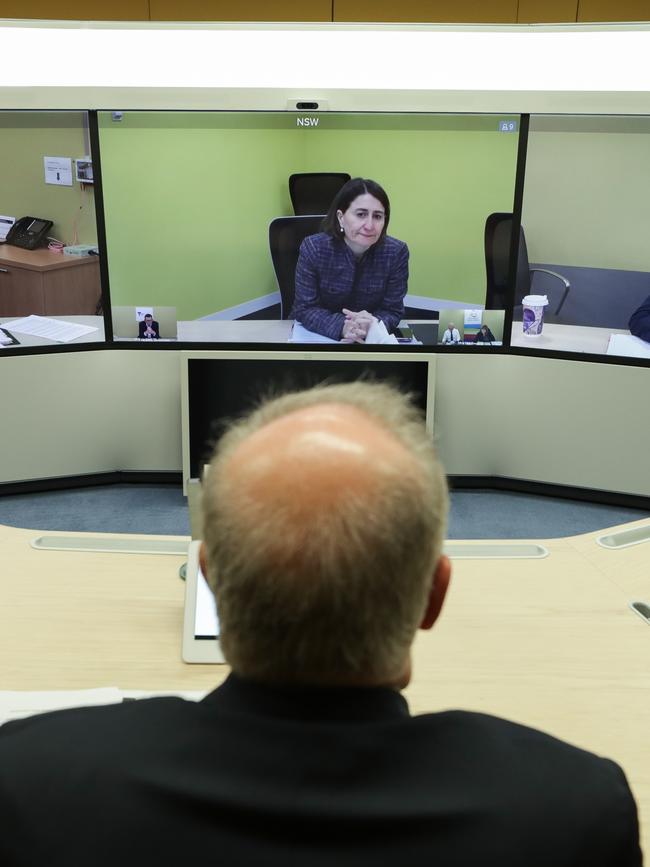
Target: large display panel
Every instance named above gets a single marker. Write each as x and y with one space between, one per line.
189 198
50 288
221 386
583 273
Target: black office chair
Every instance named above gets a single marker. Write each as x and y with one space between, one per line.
498 232
286 234
313 192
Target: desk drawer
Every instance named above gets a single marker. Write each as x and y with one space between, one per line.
21 292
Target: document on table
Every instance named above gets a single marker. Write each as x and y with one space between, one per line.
628 345
376 334
5 224
300 334
52 329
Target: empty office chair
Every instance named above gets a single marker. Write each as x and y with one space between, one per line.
313 192
286 234
498 232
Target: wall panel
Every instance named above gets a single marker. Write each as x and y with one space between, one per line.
547 11
542 419
251 10
453 11
78 10
607 10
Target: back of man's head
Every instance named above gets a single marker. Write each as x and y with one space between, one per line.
324 516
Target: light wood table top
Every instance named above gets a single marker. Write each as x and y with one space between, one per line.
549 643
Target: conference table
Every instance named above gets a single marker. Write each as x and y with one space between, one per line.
565 338
550 642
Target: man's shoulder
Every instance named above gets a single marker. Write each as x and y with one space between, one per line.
518 750
80 730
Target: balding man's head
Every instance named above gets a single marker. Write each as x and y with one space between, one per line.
324 513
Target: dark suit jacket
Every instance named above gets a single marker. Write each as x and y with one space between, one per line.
142 327
307 777
639 324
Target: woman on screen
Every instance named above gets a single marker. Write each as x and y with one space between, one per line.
485 335
352 273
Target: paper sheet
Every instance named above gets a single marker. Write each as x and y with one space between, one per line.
300 334
5 224
52 329
628 345
376 334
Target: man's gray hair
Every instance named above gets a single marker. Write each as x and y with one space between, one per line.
335 594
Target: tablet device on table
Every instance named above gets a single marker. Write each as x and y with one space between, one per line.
200 623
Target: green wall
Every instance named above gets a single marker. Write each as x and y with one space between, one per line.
25 138
189 196
587 192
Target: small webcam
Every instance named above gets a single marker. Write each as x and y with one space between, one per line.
307 105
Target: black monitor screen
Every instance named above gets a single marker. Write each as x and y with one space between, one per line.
222 389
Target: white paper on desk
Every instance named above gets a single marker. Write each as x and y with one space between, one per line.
627 344
5 224
378 333
17 704
52 329
300 334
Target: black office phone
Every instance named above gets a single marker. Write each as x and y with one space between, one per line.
29 232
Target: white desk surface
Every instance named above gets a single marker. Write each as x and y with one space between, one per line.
565 338
550 643
96 336
236 331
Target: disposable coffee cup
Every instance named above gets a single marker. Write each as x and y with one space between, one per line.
533 314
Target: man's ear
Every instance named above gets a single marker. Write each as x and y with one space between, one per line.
203 561
439 586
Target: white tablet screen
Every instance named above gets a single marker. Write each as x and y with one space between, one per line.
206 622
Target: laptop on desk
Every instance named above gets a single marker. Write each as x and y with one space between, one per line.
200 621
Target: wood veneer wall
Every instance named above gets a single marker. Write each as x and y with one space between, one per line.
434 11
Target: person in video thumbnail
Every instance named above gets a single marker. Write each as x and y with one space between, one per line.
451 334
639 324
485 335
352 273
148 329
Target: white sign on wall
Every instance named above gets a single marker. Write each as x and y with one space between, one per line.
58 170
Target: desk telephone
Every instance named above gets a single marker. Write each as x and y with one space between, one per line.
29 232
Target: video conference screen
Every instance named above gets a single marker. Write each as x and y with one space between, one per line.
583 276
194 202
50 288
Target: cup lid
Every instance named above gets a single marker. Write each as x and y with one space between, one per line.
535 300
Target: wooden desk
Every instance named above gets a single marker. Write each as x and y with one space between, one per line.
550 643
47 283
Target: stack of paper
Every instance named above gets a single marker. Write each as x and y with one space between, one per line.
52 329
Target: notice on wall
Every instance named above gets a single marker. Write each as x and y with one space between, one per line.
58 170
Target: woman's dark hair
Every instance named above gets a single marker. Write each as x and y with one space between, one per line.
344 198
